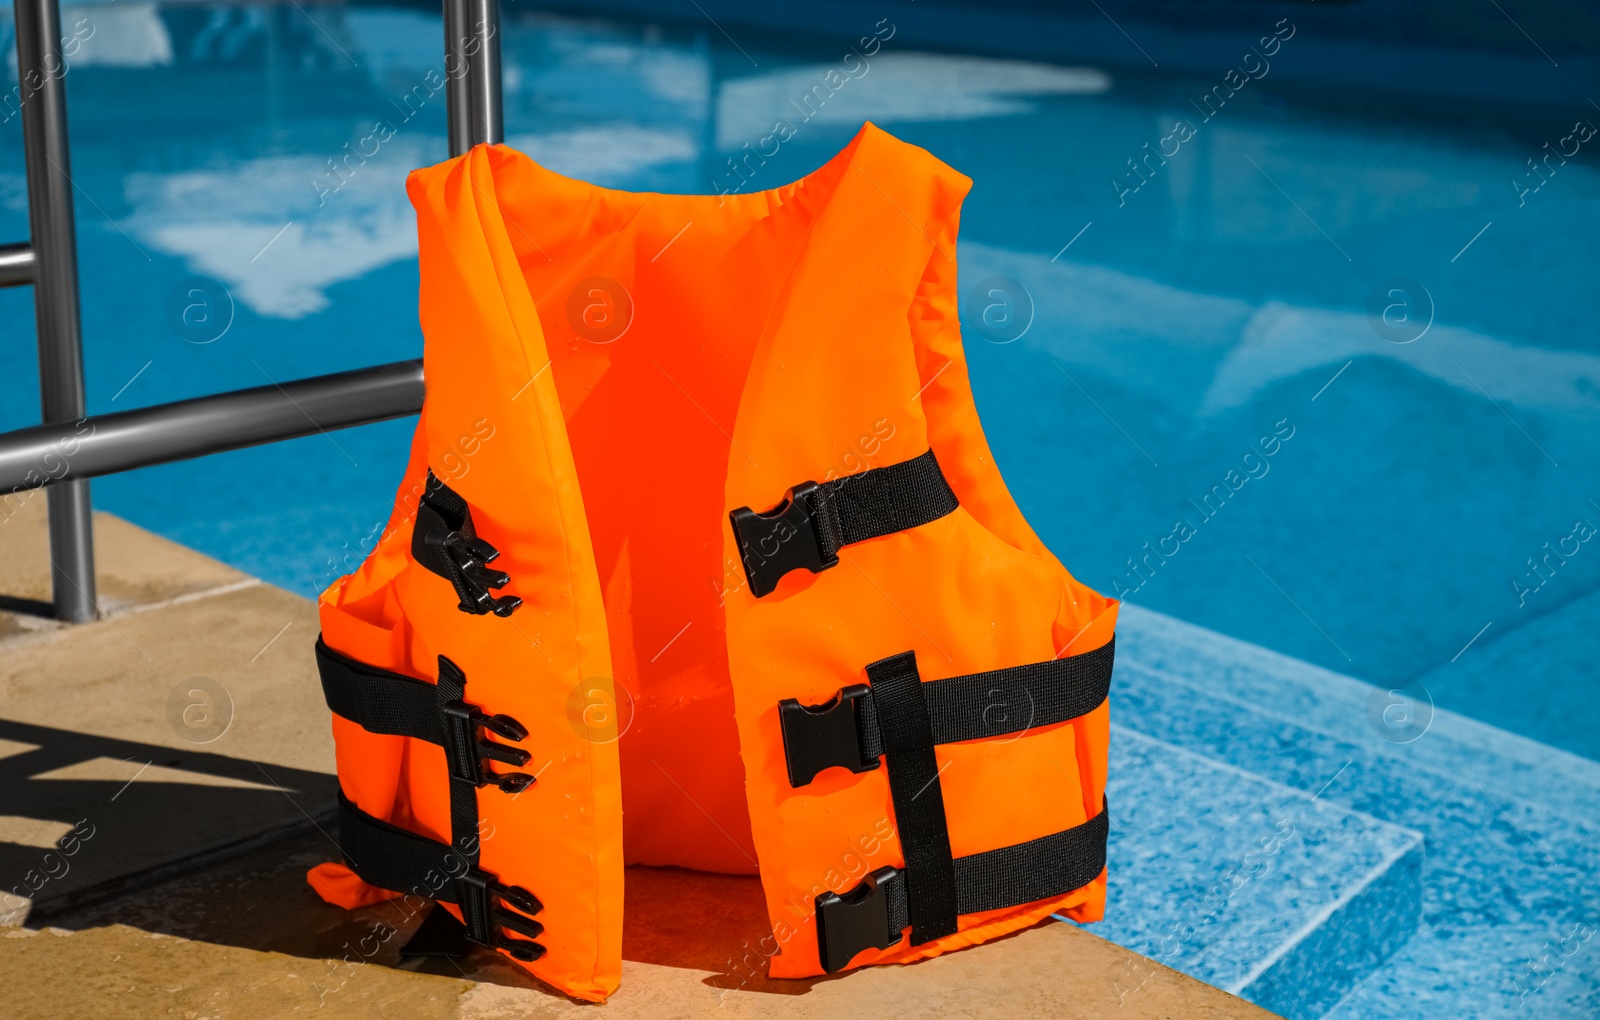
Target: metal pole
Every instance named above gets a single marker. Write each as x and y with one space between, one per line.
472 73
40 73
16 264
55 455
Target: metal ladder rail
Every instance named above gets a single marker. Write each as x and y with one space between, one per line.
52 266
70 447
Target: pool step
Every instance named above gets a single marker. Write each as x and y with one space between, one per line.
1262 890
1548 701
1511 827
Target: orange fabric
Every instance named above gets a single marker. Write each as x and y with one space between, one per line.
340 886
807 332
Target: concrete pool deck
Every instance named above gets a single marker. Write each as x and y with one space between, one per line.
179 749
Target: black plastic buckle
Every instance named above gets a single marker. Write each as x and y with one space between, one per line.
857 921
468 752
474 577
817 737
483 902
787 537
444 541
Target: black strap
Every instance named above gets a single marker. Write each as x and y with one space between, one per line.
390 857
917 794
384 855
445 542
882 501
846 731
1003 701
461 751
397 859
875 914
808 529
1039 869
378 700
382 701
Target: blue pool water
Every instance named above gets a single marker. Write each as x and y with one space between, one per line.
1219 408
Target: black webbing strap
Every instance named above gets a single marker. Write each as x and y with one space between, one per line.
451 690
846 731
808 529
445 542
1052 865
1002 701
397 859
930 879
384 855
881 501
378 700
381 701
875 914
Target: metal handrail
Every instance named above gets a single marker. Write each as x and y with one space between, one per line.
70 448
108 443
54 272
16 264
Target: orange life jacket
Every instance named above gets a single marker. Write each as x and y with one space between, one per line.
876 688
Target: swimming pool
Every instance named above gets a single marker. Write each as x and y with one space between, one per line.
1321 375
